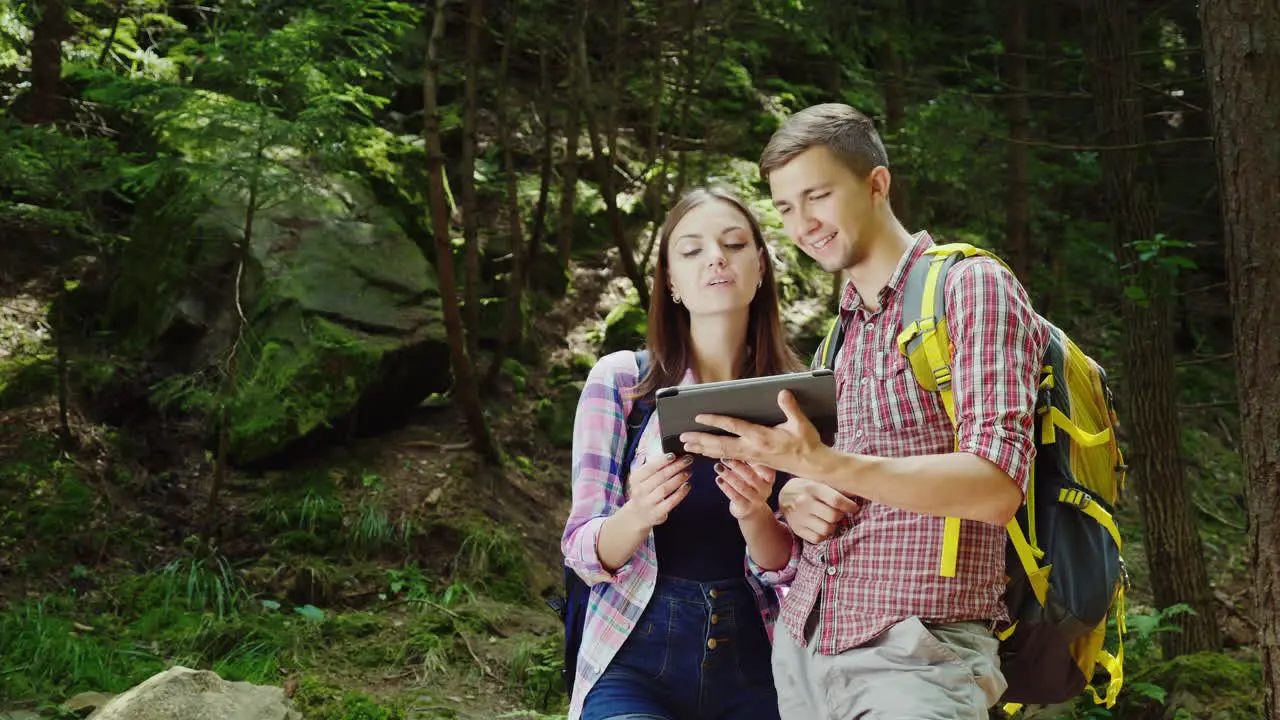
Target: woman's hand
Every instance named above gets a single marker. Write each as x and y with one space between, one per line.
655 487
747 486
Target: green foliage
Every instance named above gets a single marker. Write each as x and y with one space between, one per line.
47 509
372 528
624 327
492 557
55 184
45 652
554 415
535 666
322 702
291 391
191 584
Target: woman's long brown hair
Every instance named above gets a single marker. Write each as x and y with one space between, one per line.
669 340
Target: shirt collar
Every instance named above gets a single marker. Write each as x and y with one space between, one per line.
850 300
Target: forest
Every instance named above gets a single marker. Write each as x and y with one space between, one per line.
297 300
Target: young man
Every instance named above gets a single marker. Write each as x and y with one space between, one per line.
871 628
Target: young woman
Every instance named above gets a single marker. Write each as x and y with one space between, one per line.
685 558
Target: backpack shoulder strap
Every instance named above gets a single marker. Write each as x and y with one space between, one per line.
824 357
925 338
638 418
926 342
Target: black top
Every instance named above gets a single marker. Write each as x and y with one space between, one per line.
700 540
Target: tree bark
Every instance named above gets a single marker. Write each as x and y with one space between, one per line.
470 221
606 160
547 162
231 368
1242 58
47 36
572 134
895 105
1018 109
655 186
687 94
1050 254
1175 552
464 381
513 322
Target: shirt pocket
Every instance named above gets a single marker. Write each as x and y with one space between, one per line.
898 401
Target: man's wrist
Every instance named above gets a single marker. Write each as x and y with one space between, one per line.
849 473
824 464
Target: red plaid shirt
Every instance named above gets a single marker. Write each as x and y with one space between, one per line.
881 566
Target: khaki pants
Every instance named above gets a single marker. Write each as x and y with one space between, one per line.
909 672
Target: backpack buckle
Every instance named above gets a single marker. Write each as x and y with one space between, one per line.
1076 498
942 376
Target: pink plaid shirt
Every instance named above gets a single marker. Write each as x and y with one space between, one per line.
618 598
881 566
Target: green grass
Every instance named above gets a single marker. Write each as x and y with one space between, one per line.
492 558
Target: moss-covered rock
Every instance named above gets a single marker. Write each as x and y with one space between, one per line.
343 323
555 414
1213 686
625 327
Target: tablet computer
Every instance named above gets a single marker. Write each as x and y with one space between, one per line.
752 399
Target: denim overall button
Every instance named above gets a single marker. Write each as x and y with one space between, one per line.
711 644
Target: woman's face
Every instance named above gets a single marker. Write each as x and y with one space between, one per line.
715 265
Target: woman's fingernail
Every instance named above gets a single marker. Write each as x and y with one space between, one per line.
720 467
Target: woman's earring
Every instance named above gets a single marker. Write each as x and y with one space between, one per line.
759 283
675 298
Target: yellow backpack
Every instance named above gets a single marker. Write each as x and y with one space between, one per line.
1064 570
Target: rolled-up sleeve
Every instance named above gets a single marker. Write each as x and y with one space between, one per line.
786 574
998 343
783 576
599 436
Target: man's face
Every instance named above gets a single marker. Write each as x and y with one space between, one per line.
825 208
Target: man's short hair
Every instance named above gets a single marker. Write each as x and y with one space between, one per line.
847 133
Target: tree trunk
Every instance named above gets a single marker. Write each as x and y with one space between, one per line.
64 374
1050 254
513 323
895 111
686 95
1018 217
1242 60
572 133
231 369
547 162
1175 553
656 186
605 159
46 60
470 221
464 381
111 36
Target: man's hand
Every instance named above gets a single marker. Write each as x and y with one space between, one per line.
793 447
812 510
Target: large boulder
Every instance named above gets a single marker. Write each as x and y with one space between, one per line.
343 322
181 693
